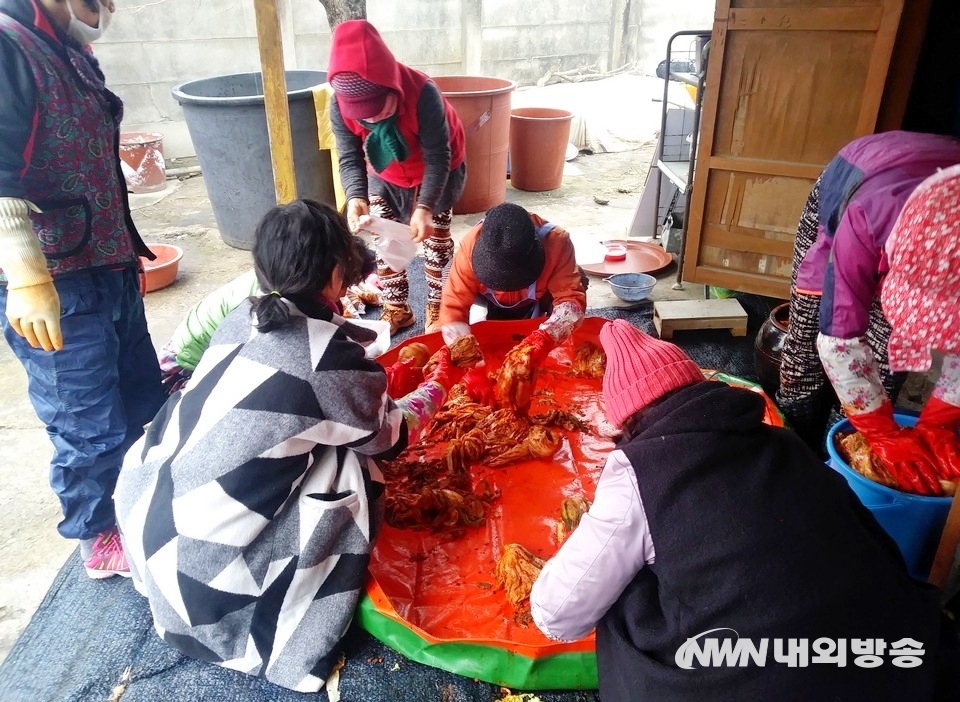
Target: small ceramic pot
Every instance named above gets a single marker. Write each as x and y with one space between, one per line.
769 346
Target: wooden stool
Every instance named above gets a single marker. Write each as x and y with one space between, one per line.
673 315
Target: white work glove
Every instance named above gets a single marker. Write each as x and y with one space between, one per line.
34 313
33 305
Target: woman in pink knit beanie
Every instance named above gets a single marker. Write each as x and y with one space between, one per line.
709 524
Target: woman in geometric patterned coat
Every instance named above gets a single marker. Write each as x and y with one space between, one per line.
250 507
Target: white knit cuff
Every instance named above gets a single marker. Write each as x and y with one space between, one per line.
21 258
454 330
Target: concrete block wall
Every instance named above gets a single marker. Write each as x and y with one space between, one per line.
425 34
523 41
152 46
661 18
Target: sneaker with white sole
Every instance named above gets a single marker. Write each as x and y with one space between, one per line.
108 558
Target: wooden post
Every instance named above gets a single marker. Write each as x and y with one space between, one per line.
270 41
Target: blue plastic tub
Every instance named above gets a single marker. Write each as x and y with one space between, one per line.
915 522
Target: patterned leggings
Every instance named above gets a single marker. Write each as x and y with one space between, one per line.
805 396
437 253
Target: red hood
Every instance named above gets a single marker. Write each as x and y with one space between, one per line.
357 47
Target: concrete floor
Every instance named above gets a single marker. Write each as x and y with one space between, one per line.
31 551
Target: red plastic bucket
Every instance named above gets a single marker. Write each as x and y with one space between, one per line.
483 105
538 147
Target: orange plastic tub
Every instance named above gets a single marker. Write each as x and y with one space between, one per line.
433 599
163 271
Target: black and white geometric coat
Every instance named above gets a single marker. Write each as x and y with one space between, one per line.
249 508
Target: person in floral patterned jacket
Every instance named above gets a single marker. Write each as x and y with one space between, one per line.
70 303
838 264
920 295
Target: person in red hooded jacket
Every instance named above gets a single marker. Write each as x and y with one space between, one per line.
402 151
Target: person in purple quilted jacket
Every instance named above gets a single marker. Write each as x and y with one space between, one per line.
70 297
838 264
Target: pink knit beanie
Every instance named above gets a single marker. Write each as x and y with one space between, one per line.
640 370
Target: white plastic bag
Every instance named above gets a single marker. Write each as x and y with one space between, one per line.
382 342
392 240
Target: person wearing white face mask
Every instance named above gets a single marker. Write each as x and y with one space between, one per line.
90 20
70 303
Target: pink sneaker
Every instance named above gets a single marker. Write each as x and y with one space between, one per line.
108 558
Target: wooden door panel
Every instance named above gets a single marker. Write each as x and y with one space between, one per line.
801 4
789 83
817 19
751 223
785 76
757 204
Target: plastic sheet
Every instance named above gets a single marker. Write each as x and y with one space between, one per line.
393 241
435 600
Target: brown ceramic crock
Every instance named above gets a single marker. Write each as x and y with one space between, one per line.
768 347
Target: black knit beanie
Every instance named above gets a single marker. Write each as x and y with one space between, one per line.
508 254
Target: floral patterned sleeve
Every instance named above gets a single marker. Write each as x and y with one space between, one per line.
564 320
948 384
853 373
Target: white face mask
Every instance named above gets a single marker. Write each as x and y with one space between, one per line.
83 32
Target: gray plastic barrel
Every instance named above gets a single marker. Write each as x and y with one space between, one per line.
228 126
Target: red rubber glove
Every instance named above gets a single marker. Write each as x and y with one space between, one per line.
478 384
900 449
540 343
514 382
440 369
937 427
403 377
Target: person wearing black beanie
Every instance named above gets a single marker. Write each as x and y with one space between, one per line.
515 265
508 254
